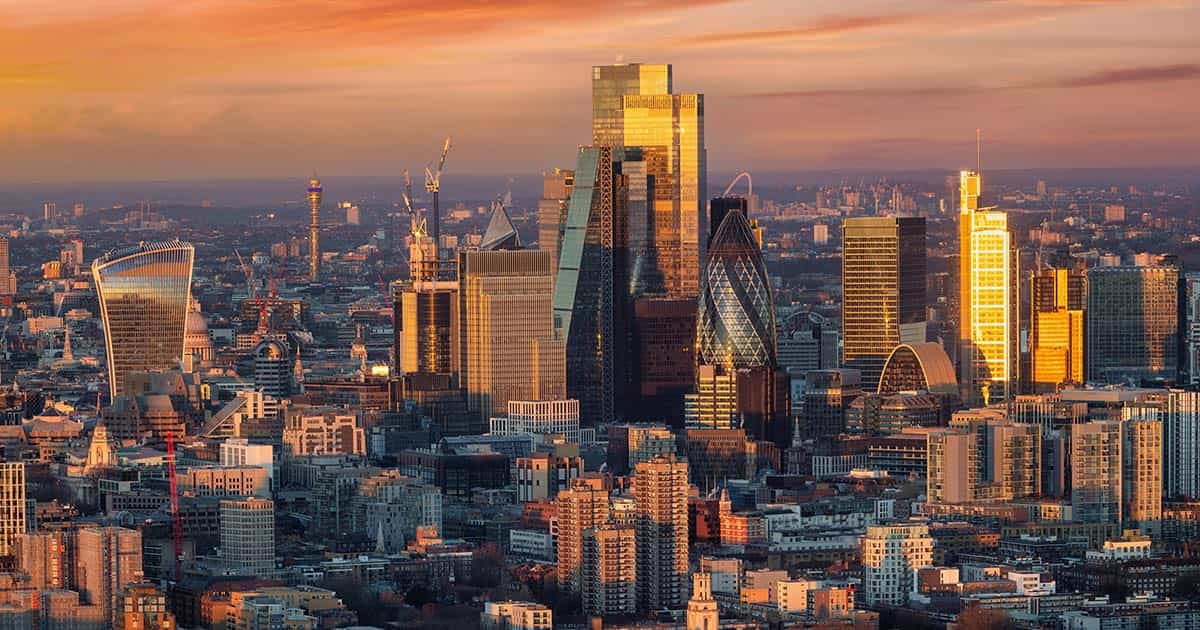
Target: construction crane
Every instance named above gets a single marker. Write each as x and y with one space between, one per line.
176 523
249 271
433 184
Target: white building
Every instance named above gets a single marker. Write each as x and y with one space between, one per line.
248 536
515 616
891 554
548 417
240 452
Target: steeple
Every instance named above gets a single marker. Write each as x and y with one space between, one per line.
702 608
66 351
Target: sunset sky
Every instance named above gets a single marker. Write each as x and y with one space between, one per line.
141 89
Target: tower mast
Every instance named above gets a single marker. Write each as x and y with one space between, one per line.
314 208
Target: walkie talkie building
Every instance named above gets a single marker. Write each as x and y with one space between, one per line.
144 292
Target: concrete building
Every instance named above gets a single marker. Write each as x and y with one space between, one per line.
12 504
226 481
511 615
248 535
240 452
542 475
609 571
581 507
322 431
702 611
547 417
107 560
660 491
891 555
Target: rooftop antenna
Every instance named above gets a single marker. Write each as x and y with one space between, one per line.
978 150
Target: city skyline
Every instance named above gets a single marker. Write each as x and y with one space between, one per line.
250 90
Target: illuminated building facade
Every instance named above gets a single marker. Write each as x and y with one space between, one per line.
12 505
552 210
144 294
1132 323
506 330
633 105
735 339
1057 298
660 488
883 290
609 571
314 229
988 322
581 507
1142 474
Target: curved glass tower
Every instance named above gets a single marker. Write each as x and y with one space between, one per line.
144 292
735 323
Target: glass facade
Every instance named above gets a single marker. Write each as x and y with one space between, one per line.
1056 328
883 290
1132 323
144 294
633 106
988 321
505 325
586 302
736 315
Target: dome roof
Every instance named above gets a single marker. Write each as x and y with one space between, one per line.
916 367
735 324
196 324
271 349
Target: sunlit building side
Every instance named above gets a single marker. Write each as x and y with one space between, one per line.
144 293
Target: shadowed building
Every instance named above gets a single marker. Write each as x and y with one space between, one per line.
1132 323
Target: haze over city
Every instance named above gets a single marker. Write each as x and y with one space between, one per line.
140 90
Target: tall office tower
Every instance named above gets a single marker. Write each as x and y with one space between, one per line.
552 210
143 606
1190 363
660 489
506 327
144 294
590 289
988 318
248 536
1057 298
107 560
1181 445
633 105
702 608
883 290
984 459
1096 472
631 444
50 212
314 229
1142 474
1132 323
12 504
735 329
891 555
8 280
581 507
664 344
609 571
273 367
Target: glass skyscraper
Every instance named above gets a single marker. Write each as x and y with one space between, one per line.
988 319
736 320
1132 323
144 294
633 105
1056 328
883 290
